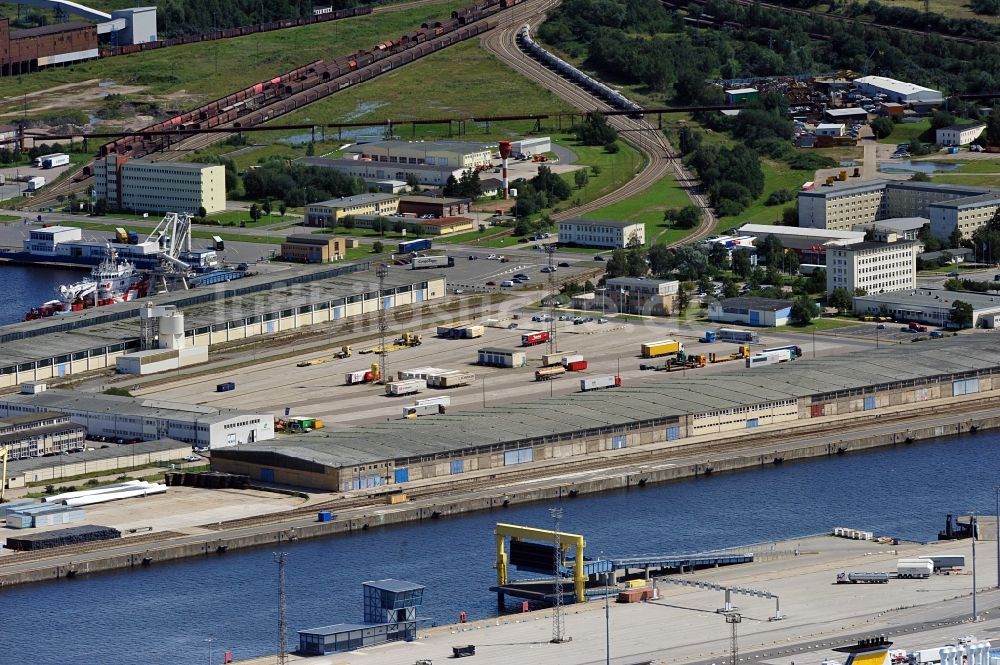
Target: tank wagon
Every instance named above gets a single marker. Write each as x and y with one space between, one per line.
571 73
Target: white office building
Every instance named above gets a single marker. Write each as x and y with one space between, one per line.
137 185
831 129
931 306
143 419
615 233
960 134
885 264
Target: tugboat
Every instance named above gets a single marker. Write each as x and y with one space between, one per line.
112 281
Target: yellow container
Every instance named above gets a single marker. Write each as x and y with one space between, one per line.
635 584
397 498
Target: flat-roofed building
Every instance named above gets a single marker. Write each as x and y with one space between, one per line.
329 213
884 264
831 129
42 242
906 228
641 295
313 248
457 154
141 419
38 434
138 185
960 134
750 311
433 205
900 92
966 214
847 205
373 172
854 113
931 306
614 233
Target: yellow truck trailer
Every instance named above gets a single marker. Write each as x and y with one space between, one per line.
662 347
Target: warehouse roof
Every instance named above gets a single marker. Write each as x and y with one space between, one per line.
69 401
649 401
55 28
110 452
935 298
761 304
347 163
892 85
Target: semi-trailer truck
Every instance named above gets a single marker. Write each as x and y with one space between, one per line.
363 375
549 373
862 578
661 347
35 183
914 568
736 335
419 245
769 358
419 262
600 382
450 379
531 339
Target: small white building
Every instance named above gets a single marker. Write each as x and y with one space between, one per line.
931 306
163 334
640 295
750 311
42 242
613 233
884 264
537 145
960 134
831 129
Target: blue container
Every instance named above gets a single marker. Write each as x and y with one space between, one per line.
325 516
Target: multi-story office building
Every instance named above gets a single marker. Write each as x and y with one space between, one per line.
329 213
965 214
615 233
885 264
137 185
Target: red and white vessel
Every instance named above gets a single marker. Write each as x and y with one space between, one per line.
113 280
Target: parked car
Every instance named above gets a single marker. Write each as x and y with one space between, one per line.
511 326
520 275
937 333
473 257
598 257
881 326
507 283
492 257
491 283
563 264
953 273
459 291
565 317
602 320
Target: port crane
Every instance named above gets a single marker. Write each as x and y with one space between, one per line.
173 236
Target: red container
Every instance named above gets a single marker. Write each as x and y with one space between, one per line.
576 366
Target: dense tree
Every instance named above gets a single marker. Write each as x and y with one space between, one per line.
882 126
683 299
581 178
687 217
741 263
297 184
804 310
617 265
595 130
961 314
841 299
378 247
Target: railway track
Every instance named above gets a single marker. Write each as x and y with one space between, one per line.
651 142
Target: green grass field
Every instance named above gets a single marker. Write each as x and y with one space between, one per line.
648 207
776 176
972 180
905 132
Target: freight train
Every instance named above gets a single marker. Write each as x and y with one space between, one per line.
241 31
266 100
563 68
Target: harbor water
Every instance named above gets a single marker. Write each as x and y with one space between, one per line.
25 287
168 612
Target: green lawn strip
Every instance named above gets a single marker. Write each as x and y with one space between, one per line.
648 207
419 91
972 180
207 70
990 166
905 132
7 219
818 325
777 175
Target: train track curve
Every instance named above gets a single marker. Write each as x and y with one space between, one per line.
651 142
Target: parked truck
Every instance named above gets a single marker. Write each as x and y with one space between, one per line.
574 363
600 382
53 160
405 387
914 568
460 330
426 407
708 337
531 339
419 262
363 376
419 245
35 183
550 359
916 327
549 373
769 358
862 578
452 379
736 335
661 347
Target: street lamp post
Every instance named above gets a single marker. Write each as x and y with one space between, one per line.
210 640
975 529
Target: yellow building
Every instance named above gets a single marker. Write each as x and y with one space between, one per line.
313 248
137 185
328 213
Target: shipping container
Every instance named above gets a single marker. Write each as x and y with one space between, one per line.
451 379
359 376
420 372
406 387
418 410
225 387
531 339
661 347
946 560
795 350
551 372
549 359
419 262
600 382
444 400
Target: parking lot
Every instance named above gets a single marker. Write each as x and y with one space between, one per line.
495 270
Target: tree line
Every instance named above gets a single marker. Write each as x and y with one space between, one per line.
175 18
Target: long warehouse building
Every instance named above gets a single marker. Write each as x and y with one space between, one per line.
648 412
95 338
